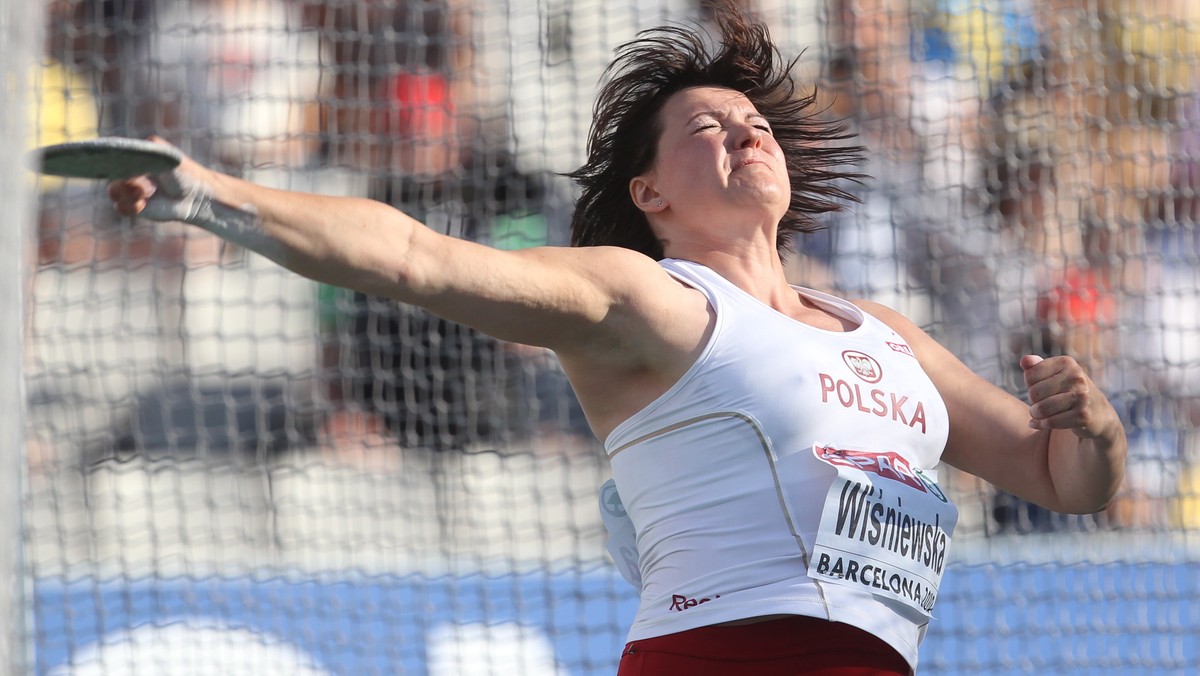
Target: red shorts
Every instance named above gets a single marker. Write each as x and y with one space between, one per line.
783 647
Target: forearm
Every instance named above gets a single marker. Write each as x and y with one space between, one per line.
1086 473
349 242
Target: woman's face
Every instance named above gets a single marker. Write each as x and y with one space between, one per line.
716 161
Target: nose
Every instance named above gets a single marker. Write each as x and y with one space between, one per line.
750 137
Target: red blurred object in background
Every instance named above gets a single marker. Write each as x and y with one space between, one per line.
422 106
1080 297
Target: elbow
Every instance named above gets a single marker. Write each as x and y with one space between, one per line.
1092 474
1094 506
1097 494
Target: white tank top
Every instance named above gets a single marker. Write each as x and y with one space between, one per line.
789 471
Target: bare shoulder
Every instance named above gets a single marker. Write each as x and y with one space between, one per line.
629 290
564 298
644 308
609 267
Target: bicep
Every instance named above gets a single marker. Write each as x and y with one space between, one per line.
545 296
989 435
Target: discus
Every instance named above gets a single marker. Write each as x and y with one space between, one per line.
110 157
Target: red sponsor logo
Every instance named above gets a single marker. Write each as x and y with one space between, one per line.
679 602
889 465
901 348
863 365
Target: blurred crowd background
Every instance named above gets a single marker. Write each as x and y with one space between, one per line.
213 441
1033 169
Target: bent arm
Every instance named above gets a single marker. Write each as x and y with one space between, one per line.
1064 451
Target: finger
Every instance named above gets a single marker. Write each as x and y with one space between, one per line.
129 197
1053 375
1078 419
1029 361
1034 370
1055 405
139 185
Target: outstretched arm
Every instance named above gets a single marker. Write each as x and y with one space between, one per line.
544 296
1065 450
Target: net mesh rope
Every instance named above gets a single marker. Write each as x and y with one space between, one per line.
236 470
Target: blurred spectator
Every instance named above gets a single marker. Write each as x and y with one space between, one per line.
397 83
988 36
1054 300
1114 71
238 82
428 382
1168 327
66 108
400 114
1058 259
106 39
1083 139
83 89
870 74
1154 77
1082 146
917 242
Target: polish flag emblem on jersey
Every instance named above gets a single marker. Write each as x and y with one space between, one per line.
863 365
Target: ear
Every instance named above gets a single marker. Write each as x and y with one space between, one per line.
645 196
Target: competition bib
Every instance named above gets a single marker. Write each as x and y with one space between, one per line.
885 528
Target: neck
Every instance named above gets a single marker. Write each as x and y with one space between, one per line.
766 280
760 275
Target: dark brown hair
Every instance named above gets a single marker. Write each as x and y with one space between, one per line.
626 126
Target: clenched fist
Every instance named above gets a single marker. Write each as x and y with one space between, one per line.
1062 396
